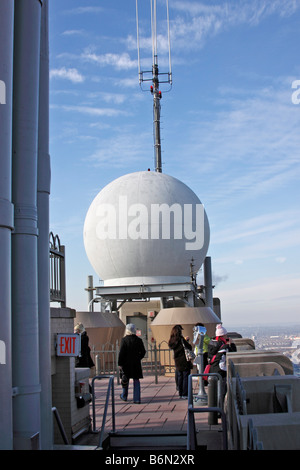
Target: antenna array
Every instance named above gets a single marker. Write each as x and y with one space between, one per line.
154 76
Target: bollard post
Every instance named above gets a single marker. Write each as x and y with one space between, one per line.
97 364
212 400
117 358
155 362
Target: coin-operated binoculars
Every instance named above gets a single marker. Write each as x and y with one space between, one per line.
198 339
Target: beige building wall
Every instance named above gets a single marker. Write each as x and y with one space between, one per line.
146 311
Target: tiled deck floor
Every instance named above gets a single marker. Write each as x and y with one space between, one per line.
161 409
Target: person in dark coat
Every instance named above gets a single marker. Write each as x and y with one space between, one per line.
132 351
85 359
183 367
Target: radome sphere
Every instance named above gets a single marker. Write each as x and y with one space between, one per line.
146 228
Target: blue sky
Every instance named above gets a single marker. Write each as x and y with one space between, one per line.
230 131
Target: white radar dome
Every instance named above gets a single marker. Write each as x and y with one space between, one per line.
146 228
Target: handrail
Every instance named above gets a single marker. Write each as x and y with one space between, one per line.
110 388
191 432
60 425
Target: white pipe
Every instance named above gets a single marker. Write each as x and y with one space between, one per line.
43 193
25 341
90 286
6 222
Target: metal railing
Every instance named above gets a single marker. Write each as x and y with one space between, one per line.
157 361
60 425
191 428
57 270
110 390
106 359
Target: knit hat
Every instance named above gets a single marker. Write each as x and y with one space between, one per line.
220 330
130 329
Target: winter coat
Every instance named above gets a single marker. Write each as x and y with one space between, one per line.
179 355
218 348
84 360
132 351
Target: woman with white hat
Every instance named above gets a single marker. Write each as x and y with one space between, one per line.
217 349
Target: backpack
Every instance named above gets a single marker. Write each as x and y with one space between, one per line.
222 363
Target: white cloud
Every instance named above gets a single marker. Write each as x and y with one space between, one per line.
119 151
281 259
127 82
82 10
198 21
271 223
249 148
263 239
73 32
120 61
89 110
68 74
115 98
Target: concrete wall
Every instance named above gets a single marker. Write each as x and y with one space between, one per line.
260 357
64 382
268 404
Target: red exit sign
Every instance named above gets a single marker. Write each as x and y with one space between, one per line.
67 345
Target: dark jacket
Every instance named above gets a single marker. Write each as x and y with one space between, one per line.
84 360
218 348
132 351
179 355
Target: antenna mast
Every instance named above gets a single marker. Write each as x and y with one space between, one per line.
154 88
